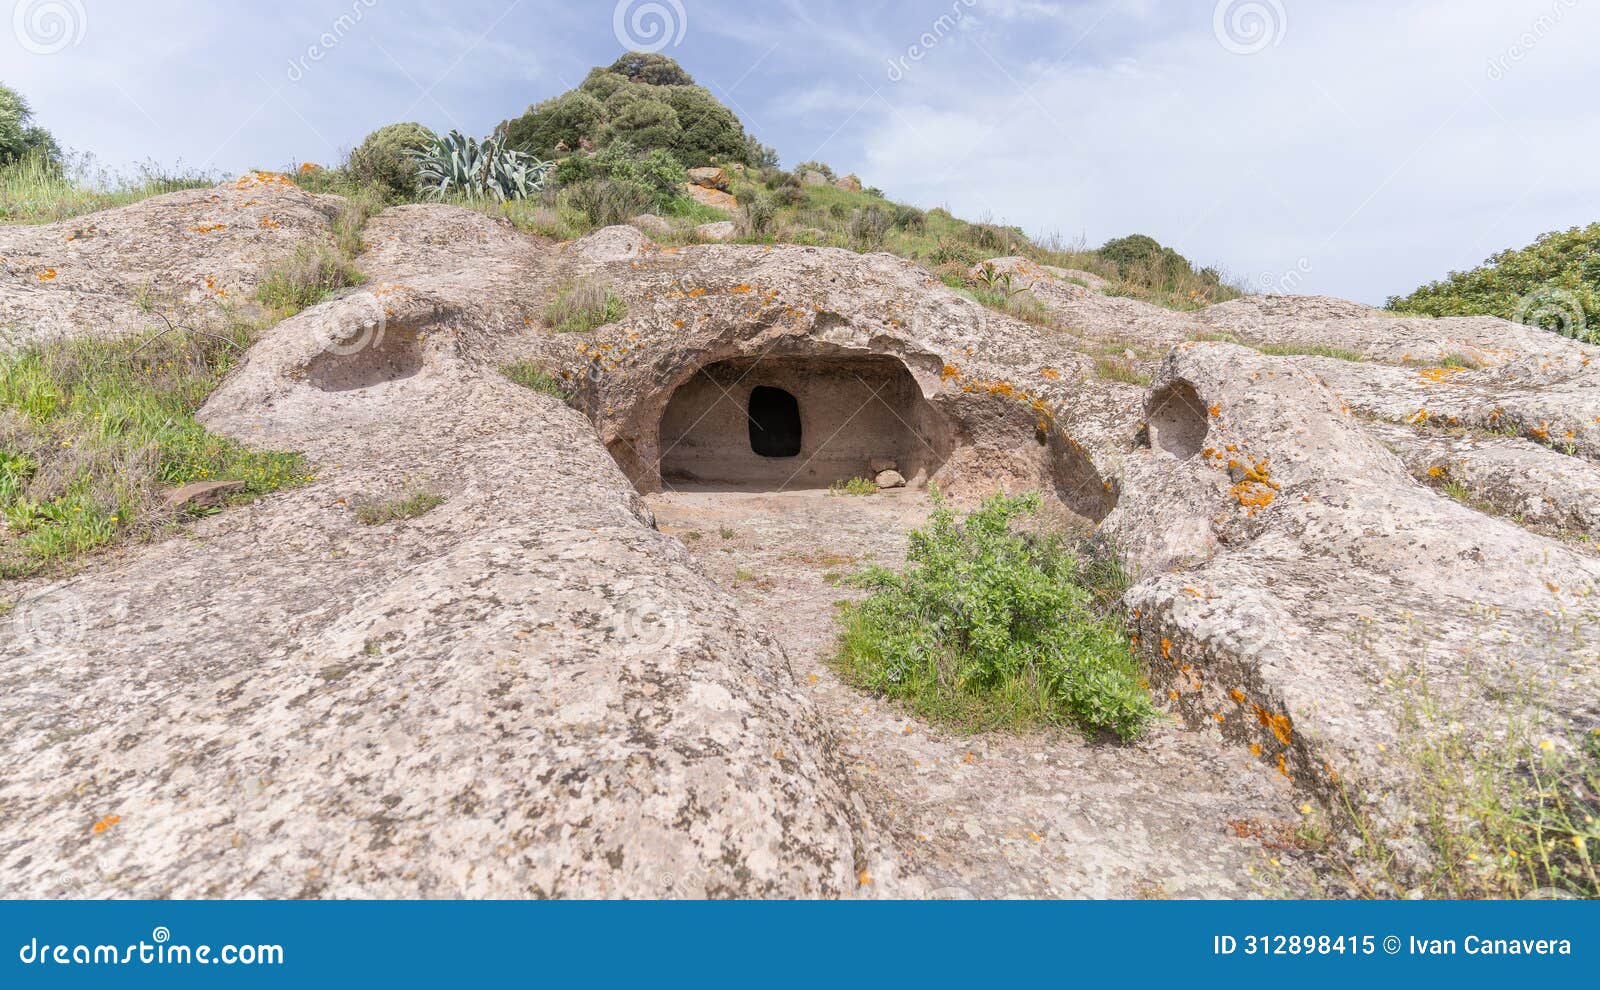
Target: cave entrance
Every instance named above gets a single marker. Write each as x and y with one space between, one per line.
799 422
775 429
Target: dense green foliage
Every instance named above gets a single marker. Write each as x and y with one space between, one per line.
645 100
1553 283
1145 260
19 136
990 627
93 431
388 158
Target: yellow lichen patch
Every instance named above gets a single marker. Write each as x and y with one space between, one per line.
1237 695
1166 648
48 275
1283 764
950 371
1219 717
1279 724
739 290
1541 432
105 823
1215 411
1421 416
1050 373
1436 472
1438 376
208 228
267 223
1255 749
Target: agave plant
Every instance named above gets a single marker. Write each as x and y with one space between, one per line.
454 164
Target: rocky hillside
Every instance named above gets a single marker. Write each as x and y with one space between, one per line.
1330 514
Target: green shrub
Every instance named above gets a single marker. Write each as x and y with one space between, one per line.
646 100
19 136
992 628
387 159
604 202
651 68
657 170
758 214
584 305
557 126
1553 283
867 229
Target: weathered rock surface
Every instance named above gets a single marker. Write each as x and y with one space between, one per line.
710 177
707 196
531 691
718 230
185 255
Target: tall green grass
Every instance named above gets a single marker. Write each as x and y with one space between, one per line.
94 432
35 190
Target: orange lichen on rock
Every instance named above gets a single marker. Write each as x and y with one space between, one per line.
267 223
208 228
1050 373
1438 376
48 275
1166 648
1279 724
1237 695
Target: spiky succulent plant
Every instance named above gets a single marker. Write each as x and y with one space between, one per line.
458 165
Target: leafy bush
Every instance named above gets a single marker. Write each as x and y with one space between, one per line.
989 627
646 100
812 166
1553 283
853 486
457 165
557 126
651 68
604 202
1144 266
584 305
19 136
758 216
387 158
868 228
657 170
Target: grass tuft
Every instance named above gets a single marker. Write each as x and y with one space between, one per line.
853 486
35 190
584 305
374 513
530 375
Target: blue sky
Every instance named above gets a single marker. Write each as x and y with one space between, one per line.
1352 148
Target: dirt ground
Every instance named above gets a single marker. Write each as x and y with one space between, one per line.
1176 814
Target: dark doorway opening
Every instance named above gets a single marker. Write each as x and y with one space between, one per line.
774 422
